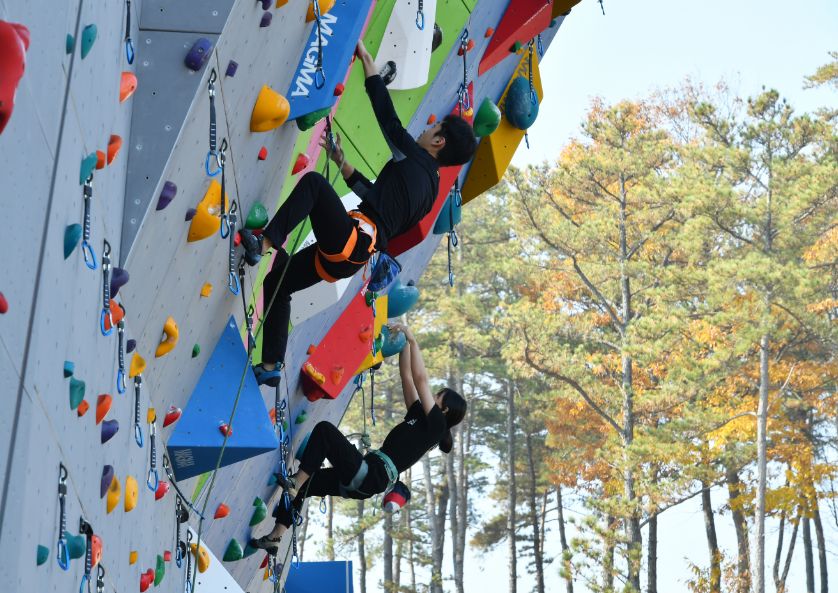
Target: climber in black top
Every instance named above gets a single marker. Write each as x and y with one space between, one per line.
427 424
403 194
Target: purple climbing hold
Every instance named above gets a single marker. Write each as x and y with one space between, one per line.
109 428
198 55
119 278
129 347
190 214
266 4
231 68
167 195
266 19
107 478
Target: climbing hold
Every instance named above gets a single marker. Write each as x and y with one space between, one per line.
311 349
389 72
198 55
76 392
521 22
72 235
190 214
263 154
337 375
553 24
127 86
103 407
88 164
109 429
167 556
69 44
119 278
146 580
160 571
117 313
130 345
114 494
257 218
43 554
339 88
515 47
259 513
469 47
223 511
169 339
137 365
248 551
437 40
266 4
487 119
196 350
76 546
105 482
281 3
270 112
520 110
83 408
489 33
325 6
365 335
14 42
100 160
4 304
301 417
114 145
307 121
272 416
231 68
302 448
234 550
151 416
130 494
132 558
265 561
69 367
392 342
318 377
202 557
95 549
272 480
167 195
206 290
267 17
88 37
171 416
226 430
301 163
207 220
431 119
162 489
402 298
448 214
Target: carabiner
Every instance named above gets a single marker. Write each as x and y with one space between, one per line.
211 154
323 505
179 555
235 278
422 14
225 218
100 578
62 552
138 434
129 50
153 472
85 578
85 249
319 71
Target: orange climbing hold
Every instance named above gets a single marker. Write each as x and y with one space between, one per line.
167 556
207 219
206 290
337 375
365 335
270 112
325 6
100 159
311 350
151 416
83 408
137 365
469 47
272 415
127 86
431 119
202 557
113 148
103 407
96 549
132 558
223 511
117 314
169 340
489 32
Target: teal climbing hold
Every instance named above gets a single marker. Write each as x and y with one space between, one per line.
520 109
71 43
401 299
196 350
234 551
301 417
160 571
553 24
87 166
392 343
88 37
76 392
302 448
259 513
448 214
272 480
306 122
43 554
76 546
69 367
72 236
257 218
248 551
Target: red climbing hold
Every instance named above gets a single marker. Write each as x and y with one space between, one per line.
103 407
315 394
431 119
113 148
83 408
469 47
172 416
311 350
339 89
223 511
14 43
263 154
4 304
489 32
117 314
337 375
146 580
226 430
162 489
265 561
167 556
95 549
301 163
101 159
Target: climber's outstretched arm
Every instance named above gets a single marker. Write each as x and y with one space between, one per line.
418 373
408 388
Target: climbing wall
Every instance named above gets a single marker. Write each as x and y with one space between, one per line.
77 93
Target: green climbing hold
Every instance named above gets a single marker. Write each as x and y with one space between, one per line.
520 109
88 37
87 166
43 554
369 296
69 367
76 392
301 417
234 551
248 551
259 513
160 571
285 425
72 236
515 48
76 546
71 43
393 342
196 350
306 122
487 119
257 218
377 343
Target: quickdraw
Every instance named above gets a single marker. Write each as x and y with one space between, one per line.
533 95
120 376
284 449
86 529
298 520
463 99
188 587
248 311
63 553
420 13
212 152
455 199
181 516
540 47
152 430
318 70
279 410
106 290
330 136
168 467
234 281
85 245
138 431
100 578
225 217
372 395
129 43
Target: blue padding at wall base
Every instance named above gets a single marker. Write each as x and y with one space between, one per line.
320 577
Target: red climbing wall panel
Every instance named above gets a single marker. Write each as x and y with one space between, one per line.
341 348
447 175
523 20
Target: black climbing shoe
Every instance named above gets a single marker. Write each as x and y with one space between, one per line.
252 247
266 543
289 485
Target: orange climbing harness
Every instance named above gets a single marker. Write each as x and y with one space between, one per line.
367 227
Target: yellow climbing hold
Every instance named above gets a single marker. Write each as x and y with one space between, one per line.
169 340
203 558
114 494
151 416
207 219
267 573
137 365
380 320
130 495
270 112
206 290
325 6
132 558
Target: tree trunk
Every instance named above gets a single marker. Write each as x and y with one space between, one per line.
362 557
303 531
388 552
762 463
542 521
453 501
743 569
652 560
536 545
436 520
397 561
463 450
780 580
807 555
712 542
821 551
563 538
330 533
511 492
608 558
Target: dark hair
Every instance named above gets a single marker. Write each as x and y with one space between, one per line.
457 407
460 141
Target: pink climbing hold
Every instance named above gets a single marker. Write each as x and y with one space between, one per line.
4 304
226 430
301 163
263 154
172 416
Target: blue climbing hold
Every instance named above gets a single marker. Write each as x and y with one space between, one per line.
198 55
401 299
70 44
69 367
87 166
446 214
88 36
521 111
43 554
72 236
107 478
272 480
302 448
109 429
76 392
392 343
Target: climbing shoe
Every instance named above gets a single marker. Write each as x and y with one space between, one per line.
289 485
252 246
266 543
265 377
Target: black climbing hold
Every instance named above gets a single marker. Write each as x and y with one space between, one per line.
388 72
130 345
437 38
